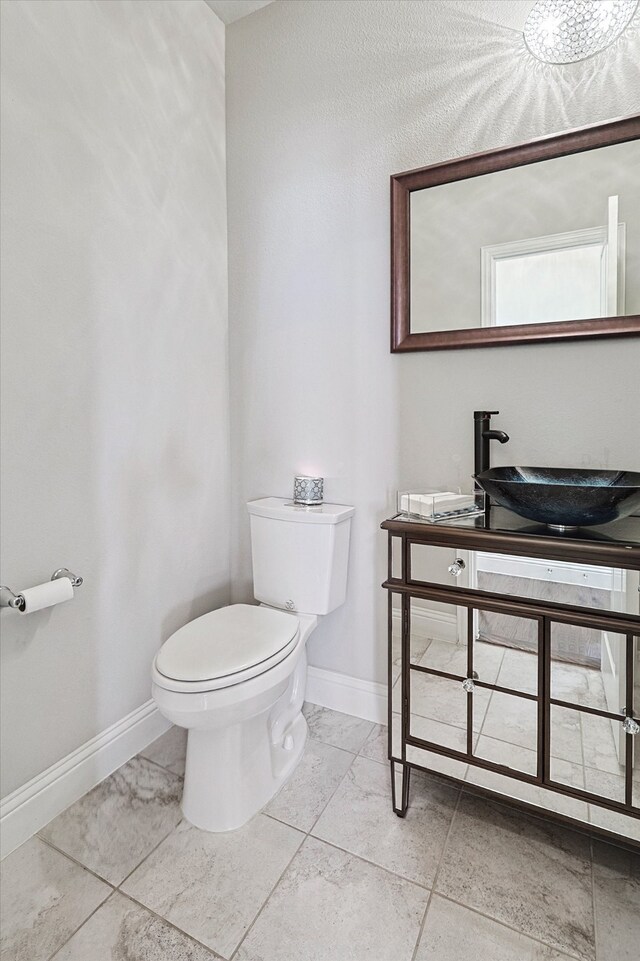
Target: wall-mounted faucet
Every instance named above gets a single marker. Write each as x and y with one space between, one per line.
483 434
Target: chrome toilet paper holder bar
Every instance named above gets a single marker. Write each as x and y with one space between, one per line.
76 580
16 601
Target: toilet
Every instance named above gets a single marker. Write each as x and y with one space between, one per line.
235 678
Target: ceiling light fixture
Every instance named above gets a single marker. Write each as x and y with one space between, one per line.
564 31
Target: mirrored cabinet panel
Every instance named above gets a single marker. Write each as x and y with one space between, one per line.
395 556
395 675
596 587
509 733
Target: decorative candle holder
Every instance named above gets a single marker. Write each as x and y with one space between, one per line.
308 491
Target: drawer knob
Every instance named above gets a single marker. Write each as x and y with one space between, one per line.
468 685
630 726
457 566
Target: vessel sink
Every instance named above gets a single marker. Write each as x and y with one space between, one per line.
563 498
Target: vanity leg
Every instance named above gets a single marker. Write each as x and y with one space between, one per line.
400 775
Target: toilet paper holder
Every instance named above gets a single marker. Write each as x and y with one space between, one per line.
16 601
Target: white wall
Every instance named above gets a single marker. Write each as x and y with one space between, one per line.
325 99
114 404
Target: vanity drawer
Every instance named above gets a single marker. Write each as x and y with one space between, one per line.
529 578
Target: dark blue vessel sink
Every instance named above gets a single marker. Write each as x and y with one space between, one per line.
563 497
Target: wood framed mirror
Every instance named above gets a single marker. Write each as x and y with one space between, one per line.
534 242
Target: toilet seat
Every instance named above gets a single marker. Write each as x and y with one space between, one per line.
225 647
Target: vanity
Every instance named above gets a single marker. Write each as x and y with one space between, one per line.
514 663
514 638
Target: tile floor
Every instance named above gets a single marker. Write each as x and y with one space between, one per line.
325 873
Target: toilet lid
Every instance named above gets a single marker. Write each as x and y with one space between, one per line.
225 641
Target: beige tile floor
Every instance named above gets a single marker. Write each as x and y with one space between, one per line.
325 873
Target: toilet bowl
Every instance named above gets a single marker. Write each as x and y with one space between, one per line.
235 678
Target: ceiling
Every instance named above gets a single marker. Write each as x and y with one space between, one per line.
230 10
508 13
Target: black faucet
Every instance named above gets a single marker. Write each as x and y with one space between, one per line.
482 436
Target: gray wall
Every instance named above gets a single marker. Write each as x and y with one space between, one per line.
325 100
114 379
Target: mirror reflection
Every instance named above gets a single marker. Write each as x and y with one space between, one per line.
562 243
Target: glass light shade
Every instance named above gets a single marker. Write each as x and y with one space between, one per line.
565 31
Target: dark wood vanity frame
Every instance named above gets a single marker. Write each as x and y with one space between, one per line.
592 552
402 185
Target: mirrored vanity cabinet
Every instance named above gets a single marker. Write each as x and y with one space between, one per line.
514 664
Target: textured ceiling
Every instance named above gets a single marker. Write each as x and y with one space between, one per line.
508 13
230 10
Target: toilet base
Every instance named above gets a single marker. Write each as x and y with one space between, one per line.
243 742
225 783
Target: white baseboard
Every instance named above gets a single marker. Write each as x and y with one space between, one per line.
33 805
341 692
430 623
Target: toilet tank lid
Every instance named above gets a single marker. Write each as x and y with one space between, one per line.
281 508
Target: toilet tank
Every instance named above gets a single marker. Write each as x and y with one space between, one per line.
299 554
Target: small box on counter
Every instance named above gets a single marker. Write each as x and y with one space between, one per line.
434 506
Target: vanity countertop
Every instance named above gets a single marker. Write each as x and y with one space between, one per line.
616 544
